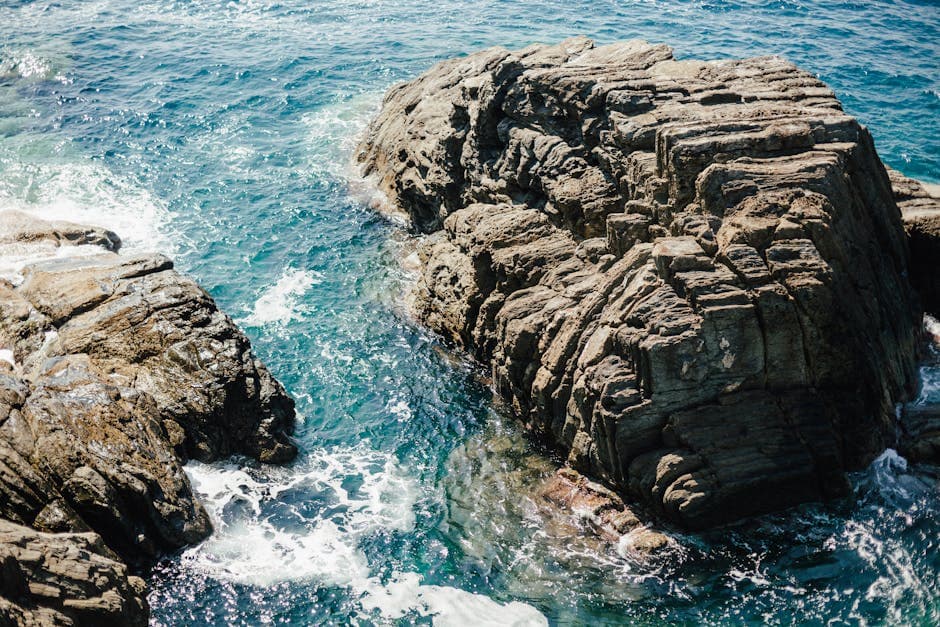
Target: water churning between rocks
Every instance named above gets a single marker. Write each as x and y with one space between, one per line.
221 134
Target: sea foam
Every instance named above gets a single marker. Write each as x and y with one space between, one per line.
930 371
358 492
85 193
282 302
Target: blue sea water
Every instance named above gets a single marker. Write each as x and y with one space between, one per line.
221 132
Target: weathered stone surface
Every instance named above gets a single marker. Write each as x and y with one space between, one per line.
115 371
691 276
125 369
920 208
65 579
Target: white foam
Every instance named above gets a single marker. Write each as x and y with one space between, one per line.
26 64
400 409
7 355
249 548
448 607
82 192
281 303
933 328
87 193
930 372
333 131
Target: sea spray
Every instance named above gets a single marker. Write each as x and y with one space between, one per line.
282 302
266 533
238 159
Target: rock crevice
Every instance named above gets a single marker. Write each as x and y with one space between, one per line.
691 276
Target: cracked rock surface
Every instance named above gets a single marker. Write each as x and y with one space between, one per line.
920 208
691 276
114 371
65 579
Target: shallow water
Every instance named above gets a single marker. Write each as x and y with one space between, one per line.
220 132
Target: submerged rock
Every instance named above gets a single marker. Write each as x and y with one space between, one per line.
116 370
604 510
692 277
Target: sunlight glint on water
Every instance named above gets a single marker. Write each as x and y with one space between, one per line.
222 133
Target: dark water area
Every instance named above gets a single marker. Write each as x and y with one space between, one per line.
221 133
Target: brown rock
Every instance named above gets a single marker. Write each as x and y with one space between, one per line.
126 369
19 227
65 579
691 276
603 510
117 370
920 209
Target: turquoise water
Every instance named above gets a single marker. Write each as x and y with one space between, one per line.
221 132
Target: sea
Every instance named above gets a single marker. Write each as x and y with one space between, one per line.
221 132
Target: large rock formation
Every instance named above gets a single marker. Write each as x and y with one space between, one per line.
114 370
690 276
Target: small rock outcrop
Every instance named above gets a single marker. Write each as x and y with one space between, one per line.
919 439
114 371
607 514
692 277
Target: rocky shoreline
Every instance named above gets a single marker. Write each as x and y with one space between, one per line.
115 371
691 277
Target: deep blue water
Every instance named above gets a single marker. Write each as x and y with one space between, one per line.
220 132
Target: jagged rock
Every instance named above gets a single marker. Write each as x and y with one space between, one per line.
65 579
920 208
125 369
691 276
115 371
19 227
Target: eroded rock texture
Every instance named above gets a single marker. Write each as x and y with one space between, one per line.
114 371
691 276
65 579
919 439
920 208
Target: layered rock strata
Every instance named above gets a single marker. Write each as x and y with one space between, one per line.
690 276
114 371
920 209
65 579
919 439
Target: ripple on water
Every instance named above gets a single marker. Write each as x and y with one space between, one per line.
228 143
306 524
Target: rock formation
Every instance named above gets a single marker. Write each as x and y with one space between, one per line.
607 514
920 209
691 277
65 579
114 370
